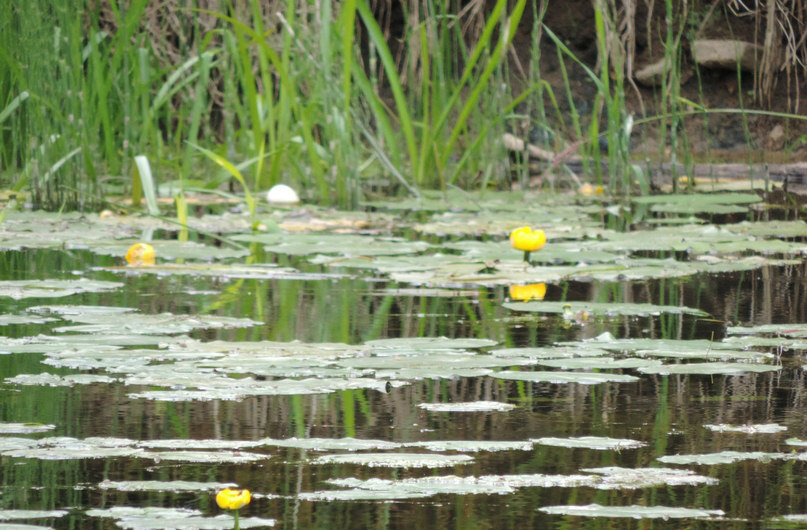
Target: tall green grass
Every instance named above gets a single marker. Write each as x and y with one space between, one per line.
316 95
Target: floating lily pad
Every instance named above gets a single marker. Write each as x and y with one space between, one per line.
17 526
764 428
602 308
471 406
782 330
633 512
430 343
151 324
161 485
25 428
401 460
341 244
65 448
206 457
9 320
591 442
46 379
646 477
549 352
331 444
197 444
598 363
716 368
20 289
752 341
797 442
723 457
583 378
174 518
173 249
10 515
471 446
260 271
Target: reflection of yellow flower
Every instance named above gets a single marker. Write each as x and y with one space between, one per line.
525 293
140 254
527 239
230 499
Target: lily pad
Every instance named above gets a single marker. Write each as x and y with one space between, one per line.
259 271
65 448
151 324
348 245
633 512
206 457
331 444
429 343
46 379
399 460
20 289
174 518
161 485
716 368
797 442
583 378
723 457
471 406
549 352
17 526
602 308
598 363
646 477
763 428
186 444
12 320
471 446
10 515
782 330
25 428
591 442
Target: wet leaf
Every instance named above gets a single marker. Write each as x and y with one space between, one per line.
583 378
399 460
20 289
715 368
591 442
471 406
160 485
25 428
602 308
633 512
764 428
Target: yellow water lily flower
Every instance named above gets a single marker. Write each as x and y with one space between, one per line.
232 499
140 254
525 293
528 240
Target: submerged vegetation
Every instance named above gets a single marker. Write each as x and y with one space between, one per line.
101 101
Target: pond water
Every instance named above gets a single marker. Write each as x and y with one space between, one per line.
545 413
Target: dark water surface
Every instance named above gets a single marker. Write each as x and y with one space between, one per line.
668 412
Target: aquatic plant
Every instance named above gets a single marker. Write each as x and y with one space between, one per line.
233 499
140 254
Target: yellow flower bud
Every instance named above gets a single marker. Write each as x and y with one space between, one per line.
231 499
525 293
527 239
140 254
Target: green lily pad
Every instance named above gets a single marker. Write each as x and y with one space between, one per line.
13 320
162 485
598 363
612 478
174 518
172 250
471 406
723 457
602 308
10 515
205 457
583 378
148 324
429 343
398 460
715 368
65 448
25 428
20 289
348 245
16 526
259 271
591 442
797 442
781 330
555 352
471 446
331 444
46 379
187 444
632 512
764 428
